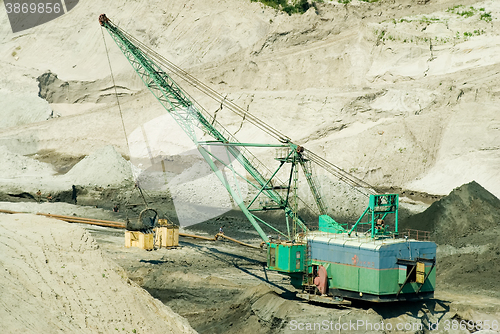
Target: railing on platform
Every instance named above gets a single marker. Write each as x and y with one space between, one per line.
416 234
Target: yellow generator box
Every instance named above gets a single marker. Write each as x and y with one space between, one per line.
420 272
167 236
139 240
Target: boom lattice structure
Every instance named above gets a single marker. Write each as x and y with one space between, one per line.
317 261
190 117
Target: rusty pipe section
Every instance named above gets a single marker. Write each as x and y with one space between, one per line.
216 237
74 219
8 211
196 236
99 222
220 235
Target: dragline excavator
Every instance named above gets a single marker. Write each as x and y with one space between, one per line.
327 261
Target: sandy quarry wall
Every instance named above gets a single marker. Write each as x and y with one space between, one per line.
55 278
402 94
103 168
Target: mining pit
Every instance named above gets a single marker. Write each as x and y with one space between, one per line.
223 287
401 94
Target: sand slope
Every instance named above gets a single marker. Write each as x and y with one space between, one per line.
468 215
401 94
465 225
55 278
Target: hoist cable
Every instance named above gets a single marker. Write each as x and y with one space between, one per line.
116 91
119 107
340 174
206 89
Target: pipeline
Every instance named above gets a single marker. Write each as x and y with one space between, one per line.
216 237
196 236
73 219
114 224
220 235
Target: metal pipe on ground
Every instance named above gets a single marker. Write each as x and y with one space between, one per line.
73 219
196 236
8 211
99 222
218 235
114 224
234 240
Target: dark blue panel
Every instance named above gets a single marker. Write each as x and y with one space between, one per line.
384 257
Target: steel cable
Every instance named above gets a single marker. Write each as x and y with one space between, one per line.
356 183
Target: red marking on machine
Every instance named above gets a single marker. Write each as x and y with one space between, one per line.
321 281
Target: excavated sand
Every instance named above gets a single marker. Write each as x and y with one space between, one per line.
402 95
103 168
466 226
468 215
20 103
20 173
55 278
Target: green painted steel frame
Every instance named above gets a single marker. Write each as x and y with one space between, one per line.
285 259
373 281
380 205
178 104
